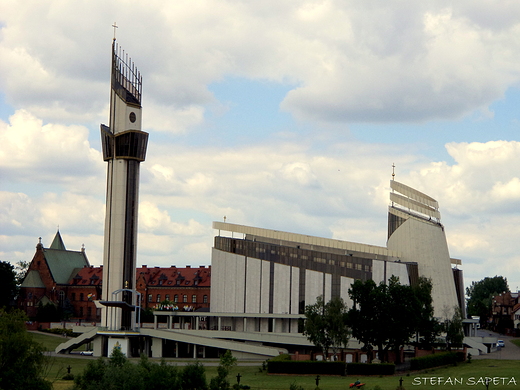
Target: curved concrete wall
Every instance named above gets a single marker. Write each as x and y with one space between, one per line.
424 242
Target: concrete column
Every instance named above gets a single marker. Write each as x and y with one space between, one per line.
197 323
219 320
194 351
177 349
245 324
155 322
157 348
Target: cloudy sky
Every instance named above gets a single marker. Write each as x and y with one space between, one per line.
285 115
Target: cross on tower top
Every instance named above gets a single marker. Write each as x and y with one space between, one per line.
115 26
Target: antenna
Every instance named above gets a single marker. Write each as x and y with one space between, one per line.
393 171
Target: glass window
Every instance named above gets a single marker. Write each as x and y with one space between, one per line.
158 297
185 298
193 298
205 299
175 298
167 297
149 297
73 296
81 296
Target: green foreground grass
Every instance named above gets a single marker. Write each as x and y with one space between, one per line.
462 376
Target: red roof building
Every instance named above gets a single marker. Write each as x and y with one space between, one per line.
66 279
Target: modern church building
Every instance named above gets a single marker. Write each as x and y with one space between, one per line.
261 279
257 270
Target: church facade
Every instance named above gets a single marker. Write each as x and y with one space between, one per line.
65 279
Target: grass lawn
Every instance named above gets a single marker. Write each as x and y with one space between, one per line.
468 374
462 376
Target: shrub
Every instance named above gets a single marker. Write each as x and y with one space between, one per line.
305 367
436 360
370 369
193 377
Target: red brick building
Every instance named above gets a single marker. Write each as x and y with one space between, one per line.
65 279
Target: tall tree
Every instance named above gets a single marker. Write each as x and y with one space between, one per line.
8 288
480 295
388 316
22 362
370 315
326 324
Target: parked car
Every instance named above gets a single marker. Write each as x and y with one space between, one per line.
87 353
500 343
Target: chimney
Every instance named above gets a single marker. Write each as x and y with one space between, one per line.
188 266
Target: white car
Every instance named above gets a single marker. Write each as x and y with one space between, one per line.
500 343
87 353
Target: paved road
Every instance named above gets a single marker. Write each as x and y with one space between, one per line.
509 352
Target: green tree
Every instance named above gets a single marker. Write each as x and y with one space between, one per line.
326 324
8 288
220 382
193 377
388 316
453 329
480 294
370 315
22 362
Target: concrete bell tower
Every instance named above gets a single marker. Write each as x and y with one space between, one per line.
124 148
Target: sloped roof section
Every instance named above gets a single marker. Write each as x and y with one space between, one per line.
32 279
62 263
58 243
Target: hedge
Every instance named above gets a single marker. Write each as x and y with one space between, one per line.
370 369
306 367
436 360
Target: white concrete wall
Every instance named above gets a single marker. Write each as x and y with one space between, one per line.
425 243
264 292
253 285
313 286
392 268
295 290
346 283
282 288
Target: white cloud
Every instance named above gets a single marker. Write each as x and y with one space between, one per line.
32 151
398 61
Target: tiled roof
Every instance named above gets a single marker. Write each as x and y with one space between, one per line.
174 276
62 263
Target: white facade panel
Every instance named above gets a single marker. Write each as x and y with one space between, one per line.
253 280
295 290
346 283
313 286
328 287
264 290
281 288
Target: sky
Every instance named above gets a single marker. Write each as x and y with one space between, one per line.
285 115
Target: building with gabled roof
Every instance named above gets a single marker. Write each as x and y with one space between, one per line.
65 278
48 275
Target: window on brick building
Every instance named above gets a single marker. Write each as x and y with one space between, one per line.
73 296
149 297
193 298
81 296
167 297
158 298
175 298
185 298
205 299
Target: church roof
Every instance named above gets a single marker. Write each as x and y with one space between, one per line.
58 243
62 263
32 279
